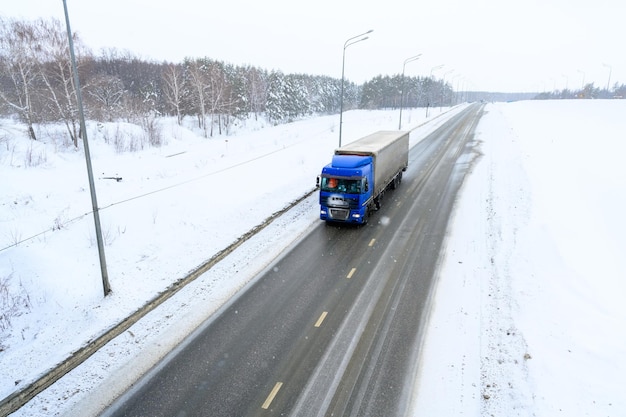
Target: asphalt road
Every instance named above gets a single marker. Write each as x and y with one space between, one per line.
334 326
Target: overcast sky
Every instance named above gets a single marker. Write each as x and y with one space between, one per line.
488 45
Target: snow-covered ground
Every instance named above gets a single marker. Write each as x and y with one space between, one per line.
526 319
529 315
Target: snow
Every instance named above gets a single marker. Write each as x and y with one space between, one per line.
526 318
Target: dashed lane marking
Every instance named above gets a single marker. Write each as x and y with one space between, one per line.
319 321
352 271
270 397
372 242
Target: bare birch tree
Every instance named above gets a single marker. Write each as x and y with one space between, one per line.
19 47
257 91
173 90
217 93
197 78
105 94
56 73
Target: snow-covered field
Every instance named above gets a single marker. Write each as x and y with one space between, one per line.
529 315
526 319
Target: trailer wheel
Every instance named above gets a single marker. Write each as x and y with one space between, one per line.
396 181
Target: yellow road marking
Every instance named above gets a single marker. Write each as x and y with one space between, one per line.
352 271
319 321
372 242
270 397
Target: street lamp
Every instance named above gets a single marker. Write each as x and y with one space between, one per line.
349 42
454 91
413 58
430 87
434 69
608 83
83 130
443 88
583 82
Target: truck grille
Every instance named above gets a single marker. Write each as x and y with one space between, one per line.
339 214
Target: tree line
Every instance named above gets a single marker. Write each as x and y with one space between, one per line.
588 91
37 86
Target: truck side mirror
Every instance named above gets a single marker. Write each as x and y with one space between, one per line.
317 182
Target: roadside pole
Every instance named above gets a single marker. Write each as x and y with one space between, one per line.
83 133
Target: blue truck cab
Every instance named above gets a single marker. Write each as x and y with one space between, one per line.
345 189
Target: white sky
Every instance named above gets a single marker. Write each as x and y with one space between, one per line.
489 45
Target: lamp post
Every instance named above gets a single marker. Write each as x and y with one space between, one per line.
608 83
582 85
92 188
443 88
454 90
349 42
435 68
413 58
430 87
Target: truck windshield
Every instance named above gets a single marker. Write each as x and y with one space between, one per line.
341 185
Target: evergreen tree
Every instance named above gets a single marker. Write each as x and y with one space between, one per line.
276 101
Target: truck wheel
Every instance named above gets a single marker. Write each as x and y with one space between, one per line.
366 217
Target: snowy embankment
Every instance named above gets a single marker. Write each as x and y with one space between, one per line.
175 207
529 315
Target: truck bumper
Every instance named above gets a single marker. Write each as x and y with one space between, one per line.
341 215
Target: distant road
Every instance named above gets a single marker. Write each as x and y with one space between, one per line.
334 326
